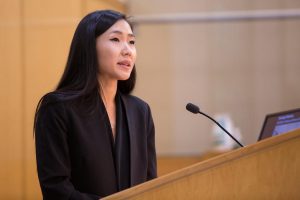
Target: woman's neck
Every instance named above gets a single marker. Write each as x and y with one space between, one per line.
108 90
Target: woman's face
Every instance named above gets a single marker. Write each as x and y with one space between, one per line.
116 52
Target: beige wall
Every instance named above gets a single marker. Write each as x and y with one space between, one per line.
35 37
245 68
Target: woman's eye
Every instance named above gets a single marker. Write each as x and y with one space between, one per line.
132 42
115 40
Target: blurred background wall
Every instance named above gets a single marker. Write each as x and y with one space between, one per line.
244 68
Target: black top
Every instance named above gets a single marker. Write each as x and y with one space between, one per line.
75 155
122 147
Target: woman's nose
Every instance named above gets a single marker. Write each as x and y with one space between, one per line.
126 50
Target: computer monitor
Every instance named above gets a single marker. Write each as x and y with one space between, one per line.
281 122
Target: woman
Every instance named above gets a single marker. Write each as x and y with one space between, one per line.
92 137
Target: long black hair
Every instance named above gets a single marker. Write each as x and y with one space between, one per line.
79 80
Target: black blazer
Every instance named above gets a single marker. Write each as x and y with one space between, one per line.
74 160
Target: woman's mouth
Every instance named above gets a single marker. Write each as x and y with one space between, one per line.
125 63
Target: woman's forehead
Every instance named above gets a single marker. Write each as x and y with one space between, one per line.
120 27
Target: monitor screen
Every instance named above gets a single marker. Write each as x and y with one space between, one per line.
278 123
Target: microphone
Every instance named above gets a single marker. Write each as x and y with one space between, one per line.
195 109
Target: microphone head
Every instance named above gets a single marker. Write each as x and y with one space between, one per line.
192 108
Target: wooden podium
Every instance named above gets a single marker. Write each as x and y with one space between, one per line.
269 169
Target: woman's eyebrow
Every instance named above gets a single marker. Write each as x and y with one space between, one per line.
121 33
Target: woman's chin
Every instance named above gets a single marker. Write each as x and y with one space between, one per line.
124 76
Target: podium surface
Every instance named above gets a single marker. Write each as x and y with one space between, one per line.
269 169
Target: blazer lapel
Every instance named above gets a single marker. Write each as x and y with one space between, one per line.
129 110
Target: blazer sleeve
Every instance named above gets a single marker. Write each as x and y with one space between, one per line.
152 166
52 155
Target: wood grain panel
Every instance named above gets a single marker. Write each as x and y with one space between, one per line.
11 143
265 170
55 9
92 5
